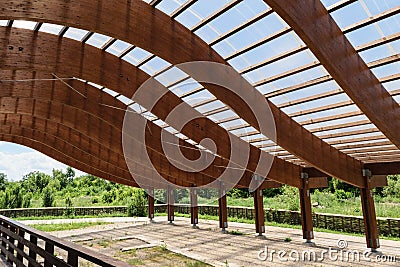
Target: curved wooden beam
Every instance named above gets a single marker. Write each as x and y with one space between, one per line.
150 29
99 67
319 31
15 136
91 121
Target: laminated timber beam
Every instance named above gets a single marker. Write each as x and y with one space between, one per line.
99 67
90 166
93 120
179 45
388 168
69 110
319 31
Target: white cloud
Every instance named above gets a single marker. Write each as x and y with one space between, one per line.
17 165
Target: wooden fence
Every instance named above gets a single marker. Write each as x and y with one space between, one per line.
62 211
349 224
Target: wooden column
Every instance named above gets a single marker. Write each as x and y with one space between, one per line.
368 207
170 204
151 204
259 211
194 210
306 211
223 209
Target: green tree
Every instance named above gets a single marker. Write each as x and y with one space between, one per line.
3 181
12 197
35 182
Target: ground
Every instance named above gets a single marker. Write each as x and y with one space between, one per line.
161 244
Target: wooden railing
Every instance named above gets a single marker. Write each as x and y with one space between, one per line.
25 246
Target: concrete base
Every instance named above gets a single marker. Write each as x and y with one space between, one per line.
194 226
260 236
223 230
309 243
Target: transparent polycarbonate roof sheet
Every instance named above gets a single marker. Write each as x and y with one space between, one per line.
136 56
30 25
169 6
98 40
154 66
381 51
75 34
118 47
171 76
244 11
199 11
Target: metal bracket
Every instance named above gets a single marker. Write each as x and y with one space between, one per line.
304 175
366 173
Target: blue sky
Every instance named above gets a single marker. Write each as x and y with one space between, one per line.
17 160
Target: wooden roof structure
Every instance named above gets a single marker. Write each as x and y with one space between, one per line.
68 71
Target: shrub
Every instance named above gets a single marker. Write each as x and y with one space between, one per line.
69 210
48 198
340 194
109 196
137 204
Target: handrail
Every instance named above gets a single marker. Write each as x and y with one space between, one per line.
13 232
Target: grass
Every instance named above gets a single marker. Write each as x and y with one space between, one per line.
235 232
64 226
157 256
104 215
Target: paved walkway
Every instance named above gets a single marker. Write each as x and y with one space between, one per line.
209 244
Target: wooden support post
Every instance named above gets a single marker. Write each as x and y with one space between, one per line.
223 208
49 247
259 211
194 209
368 207
306 211
150 209
170 204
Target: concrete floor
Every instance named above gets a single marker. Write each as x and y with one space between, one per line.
209 244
